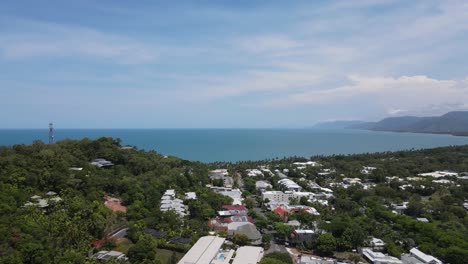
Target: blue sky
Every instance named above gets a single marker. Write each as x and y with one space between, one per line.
229 64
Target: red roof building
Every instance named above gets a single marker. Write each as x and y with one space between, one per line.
235 207
281 212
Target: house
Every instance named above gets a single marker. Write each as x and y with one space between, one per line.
203 251
379 258
277 196
289 185
377 244
262 185
443 181
235 194
439 174
170 202
307 163
254 173
108 255
236 209
248 255
302 208
224 177
245 228
101 163
422 219
180 240
155 233
281 212
190 196
40 202
367 170
306 259
300 236
294 223
400 208
417 256
325 172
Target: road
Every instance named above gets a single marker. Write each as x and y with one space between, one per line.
120 234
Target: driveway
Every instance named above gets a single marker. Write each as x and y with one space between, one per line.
120 234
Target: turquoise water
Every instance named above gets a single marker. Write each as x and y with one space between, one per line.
245 144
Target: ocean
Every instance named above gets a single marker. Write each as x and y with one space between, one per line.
208 145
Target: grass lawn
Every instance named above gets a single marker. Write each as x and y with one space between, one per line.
123 244
164 255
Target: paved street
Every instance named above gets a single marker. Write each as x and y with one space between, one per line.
120 234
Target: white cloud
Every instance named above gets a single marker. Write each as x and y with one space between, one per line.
267 43
392 95
49 40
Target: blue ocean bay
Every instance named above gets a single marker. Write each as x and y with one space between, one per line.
245 144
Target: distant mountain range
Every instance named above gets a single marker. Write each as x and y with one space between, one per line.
338 124
455 123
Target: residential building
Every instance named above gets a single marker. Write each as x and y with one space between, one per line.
379 258
170 202
289 185
294 223
377 244
235 194
305 259
277 196
301 236
108 255
245 228
367 170
254 173
422 219
204 251
439 174
236 209
190 196
101 163
248 255
416 256
307 163
262 185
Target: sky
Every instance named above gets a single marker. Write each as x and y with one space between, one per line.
229 64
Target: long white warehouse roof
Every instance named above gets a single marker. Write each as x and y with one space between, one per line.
203 251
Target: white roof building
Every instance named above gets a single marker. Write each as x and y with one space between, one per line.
248 255
417 256
204 251
235 194
377 244
254 173
220 171
169 202
308 163
107 255
367 170
262 185
314 260
191 196
439 174
278 196
290 185
169 192
379 258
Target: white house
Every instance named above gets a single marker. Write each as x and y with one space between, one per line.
417 256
